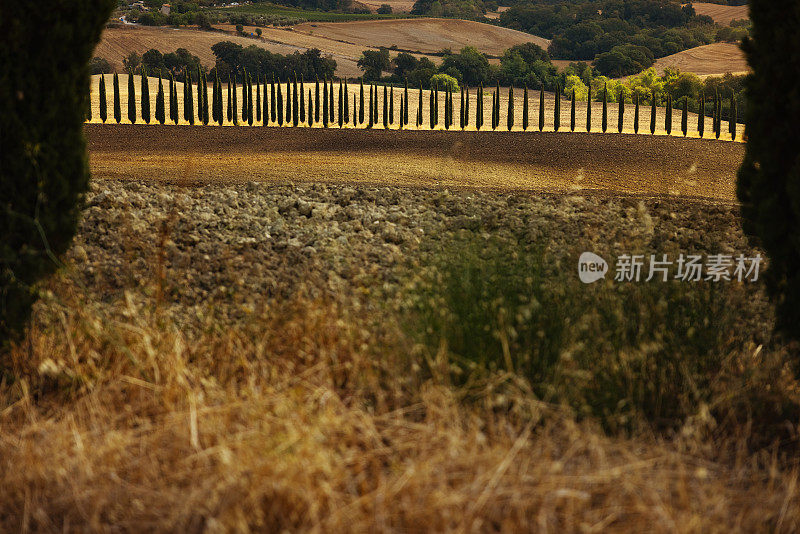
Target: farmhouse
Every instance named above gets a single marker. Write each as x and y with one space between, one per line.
165 9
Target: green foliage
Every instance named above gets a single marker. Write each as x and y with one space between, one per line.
769 179
374 63
44 172
99 65
445 82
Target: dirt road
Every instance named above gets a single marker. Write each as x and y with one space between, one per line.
555 162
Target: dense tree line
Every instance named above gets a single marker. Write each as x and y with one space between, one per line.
233 59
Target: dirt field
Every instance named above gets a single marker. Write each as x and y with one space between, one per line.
721 14
712 59
555 162
423 35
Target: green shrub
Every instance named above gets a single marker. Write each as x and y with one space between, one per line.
44 172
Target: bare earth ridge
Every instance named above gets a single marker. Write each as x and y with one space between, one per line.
554 162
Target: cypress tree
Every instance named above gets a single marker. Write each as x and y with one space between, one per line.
89 107
370 121
249 85
668 115
401 113
466 106
732 118
44 168
325 103
288 100
159 101
385 108
525 108
295 109
510 117
589 109
391 105
419 108
355 111
185 96
190 98
541 107
405 102
235 104
479 108
132 97
361 101
621 109
436 104
769 176
461 110
173 99
279 103
302 100
341 104
230 101
330 98
718 131
636 113
258 100
204 82
117 103
215 98
685 116
200 100
557 110
432 111
346 103
316 100
494 103
605 108
273 105
145 97
572 112
653 113
310 110
265 111
103 101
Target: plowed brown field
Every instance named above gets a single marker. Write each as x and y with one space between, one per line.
555 162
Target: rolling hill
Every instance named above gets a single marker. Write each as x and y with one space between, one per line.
707 60
721 14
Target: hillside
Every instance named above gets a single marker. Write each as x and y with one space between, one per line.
707 60
721 14
423 35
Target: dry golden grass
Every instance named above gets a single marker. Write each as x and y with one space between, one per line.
707 60
426 35
314 418
720 13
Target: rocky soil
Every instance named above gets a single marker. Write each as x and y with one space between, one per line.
238 247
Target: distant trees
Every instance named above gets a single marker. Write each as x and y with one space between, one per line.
374 63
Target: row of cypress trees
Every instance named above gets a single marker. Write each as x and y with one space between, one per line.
295 108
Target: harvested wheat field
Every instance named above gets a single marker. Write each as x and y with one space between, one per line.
118 42
398 6
707 60
564 162
720 13
424 35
